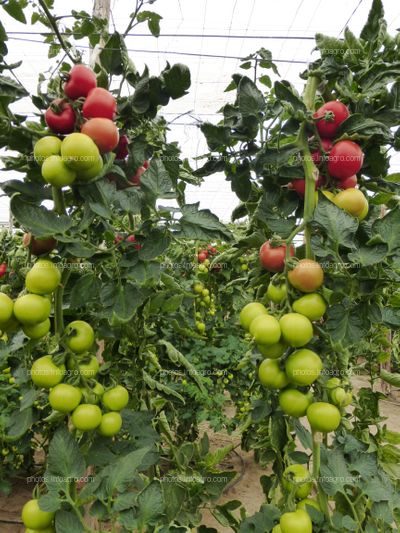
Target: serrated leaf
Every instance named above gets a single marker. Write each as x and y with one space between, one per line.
64 461
19 423
345 324
118 476
249 98
154 384
67 521
177 80
339 226
201 224
39 220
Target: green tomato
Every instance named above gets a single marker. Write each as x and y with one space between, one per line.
296 522
98 389
44 373
340 397
201 327
297 476
43 278
6 308
37 331
33 517
91 172
31 309
205 292
65 398
110 424
273 351
207 300
89 369
303 367
312 305
57 173
332 383
198 288
115 399
265 330
323 417
45 147
271 376
293 402
80 336
250 312
244 267
276 529
276 293
296 329
79 151
47 530
86 417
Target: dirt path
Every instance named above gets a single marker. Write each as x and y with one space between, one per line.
245 488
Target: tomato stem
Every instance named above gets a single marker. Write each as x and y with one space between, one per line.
53 24
316 454
58 199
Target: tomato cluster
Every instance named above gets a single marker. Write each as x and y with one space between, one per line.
204 305
338 162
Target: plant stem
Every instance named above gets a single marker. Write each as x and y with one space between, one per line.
53 24
58 303
316 454
58 199
310 170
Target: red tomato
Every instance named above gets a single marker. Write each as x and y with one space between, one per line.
99 103
348 183
272 258
3 269
60 116
202 256
345 160
317 156
338 112
146 164
300 185
211 249
122 148
118 239
104 133
81 80
130 238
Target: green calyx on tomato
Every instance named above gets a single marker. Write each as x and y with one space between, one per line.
250 312
272 351
265 329
64 397
80 336
115 399
294 402
303 367
46 374
110 424
31 309
296 522
297 477
33 517
296 329
43 278
271 375
312 305
276 293
323 417
86 417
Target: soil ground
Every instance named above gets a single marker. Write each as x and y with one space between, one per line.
245 487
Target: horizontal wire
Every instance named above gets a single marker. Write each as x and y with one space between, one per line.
168 52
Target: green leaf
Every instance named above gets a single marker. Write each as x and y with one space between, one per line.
50 502
118 476
345 324
373 26
177 80
393 178
286 93
67 521
389 377
391 316
156 179
201 224
40 221
154 384
339 226
64 461
19 423
11 90
387 228
334 472
363 126
151 506
15 8
178 358
369 255
84 290
153 21
156 242
262 521
218 137
249 98
127 299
